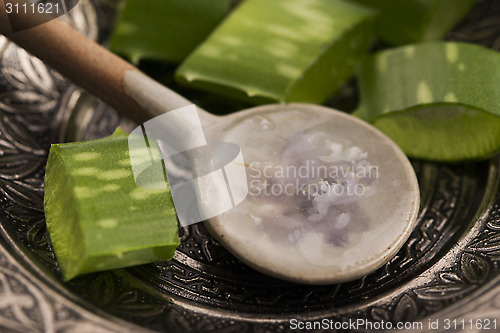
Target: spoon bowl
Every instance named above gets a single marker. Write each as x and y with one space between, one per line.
331 198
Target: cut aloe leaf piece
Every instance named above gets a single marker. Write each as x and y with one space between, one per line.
97 217
166 30
281 51
438 101
411 21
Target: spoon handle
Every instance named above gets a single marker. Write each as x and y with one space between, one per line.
86 64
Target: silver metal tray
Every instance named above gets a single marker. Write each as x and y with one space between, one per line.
448 269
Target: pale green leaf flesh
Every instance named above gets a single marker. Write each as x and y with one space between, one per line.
281 51
166 30
97 217
438 101
411 21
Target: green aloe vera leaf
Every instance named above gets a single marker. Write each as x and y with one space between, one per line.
411 21
438 101
165 30
281 51
97 217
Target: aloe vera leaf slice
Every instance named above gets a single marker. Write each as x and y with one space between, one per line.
281 51
166 30
438 101
97 217
412 21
